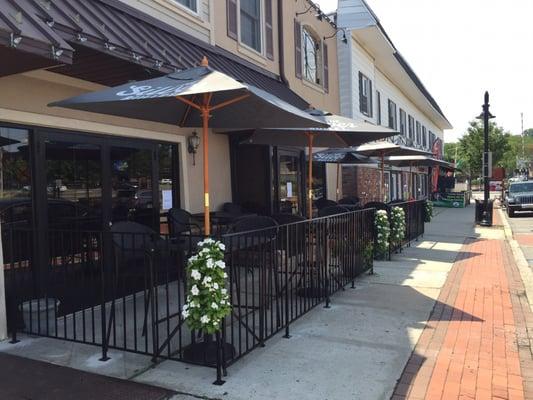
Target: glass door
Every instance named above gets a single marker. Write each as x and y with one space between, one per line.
289 186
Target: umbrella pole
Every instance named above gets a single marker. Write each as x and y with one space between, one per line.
205 128
310 138
383 176
337 189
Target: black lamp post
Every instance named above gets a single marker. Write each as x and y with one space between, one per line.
486 219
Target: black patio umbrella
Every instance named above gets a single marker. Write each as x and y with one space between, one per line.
197 97
340 132
339 157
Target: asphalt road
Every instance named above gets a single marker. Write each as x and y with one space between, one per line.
522 226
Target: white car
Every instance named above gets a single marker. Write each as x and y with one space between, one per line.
166 181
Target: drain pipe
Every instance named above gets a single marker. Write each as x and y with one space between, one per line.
281 47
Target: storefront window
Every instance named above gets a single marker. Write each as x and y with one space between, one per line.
15 176
168 195
289 189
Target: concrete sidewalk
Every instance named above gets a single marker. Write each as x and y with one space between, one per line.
354 350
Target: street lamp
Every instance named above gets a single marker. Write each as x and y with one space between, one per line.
486 218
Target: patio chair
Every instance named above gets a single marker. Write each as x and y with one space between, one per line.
184 230
136 248
323 203
353 200
332 210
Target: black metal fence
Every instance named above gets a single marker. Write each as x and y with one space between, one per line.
414 223
125 290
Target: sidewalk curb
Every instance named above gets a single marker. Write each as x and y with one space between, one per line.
523 266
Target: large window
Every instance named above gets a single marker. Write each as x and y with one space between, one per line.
411 127
251 23
311 54
393 118
365 95
15 177
424 137
418 133
190 4
403 127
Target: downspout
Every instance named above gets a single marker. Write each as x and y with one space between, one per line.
281 47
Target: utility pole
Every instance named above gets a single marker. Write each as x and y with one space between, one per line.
523 143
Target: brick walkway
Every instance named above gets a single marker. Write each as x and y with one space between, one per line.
475 345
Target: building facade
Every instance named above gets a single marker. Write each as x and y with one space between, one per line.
60 167
378 85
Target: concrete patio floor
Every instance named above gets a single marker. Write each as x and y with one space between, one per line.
357 349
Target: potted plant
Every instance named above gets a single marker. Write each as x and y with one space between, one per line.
428 211
381 224
397 226
208 301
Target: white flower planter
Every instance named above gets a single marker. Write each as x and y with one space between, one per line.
39 316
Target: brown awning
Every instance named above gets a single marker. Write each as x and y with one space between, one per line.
113 28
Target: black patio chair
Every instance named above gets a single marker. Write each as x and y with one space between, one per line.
332 210
323 203
350 200
184 230
136 248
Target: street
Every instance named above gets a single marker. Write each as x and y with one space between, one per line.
522 227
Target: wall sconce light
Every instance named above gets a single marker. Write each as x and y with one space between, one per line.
14 40
193 142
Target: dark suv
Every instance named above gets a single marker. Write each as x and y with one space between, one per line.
519 197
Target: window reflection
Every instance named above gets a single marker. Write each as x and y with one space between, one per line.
15 176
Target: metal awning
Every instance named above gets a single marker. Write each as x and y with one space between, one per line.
422 161
384 148
113 28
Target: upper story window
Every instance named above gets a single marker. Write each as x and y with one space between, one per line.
431 140
403 122
393 117
424 137
250 13
411 131
418 132
190 4
378 107
312 58
365 95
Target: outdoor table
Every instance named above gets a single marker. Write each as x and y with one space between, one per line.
222 219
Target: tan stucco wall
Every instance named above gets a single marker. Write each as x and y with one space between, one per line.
316 96
24 99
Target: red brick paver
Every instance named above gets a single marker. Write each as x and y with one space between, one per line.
476 344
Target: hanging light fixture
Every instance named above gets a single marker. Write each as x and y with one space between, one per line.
193 142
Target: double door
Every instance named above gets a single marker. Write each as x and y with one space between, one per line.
85 182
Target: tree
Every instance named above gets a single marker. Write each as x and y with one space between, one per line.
471 147
450 151
528 132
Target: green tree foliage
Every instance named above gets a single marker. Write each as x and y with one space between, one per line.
470 151
450 151
515 151
529 132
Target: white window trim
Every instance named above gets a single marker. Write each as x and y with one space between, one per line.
262 30
319 68
369 88
187 9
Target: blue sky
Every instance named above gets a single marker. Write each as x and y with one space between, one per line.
461 48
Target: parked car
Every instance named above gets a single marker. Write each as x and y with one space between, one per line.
166 181
519 197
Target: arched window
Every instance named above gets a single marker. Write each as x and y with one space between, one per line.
312 57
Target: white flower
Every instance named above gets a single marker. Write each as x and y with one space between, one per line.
220 264
221 246
205 319
207 280
209 263
215 286
195 291
185 314
196 275
225 275
209 241
223 302
193 259
223 291
205 250
214 306
194 304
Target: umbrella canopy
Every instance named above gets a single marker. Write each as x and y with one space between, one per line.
197 97
423 161
340 132
337 132
381 149
342 156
